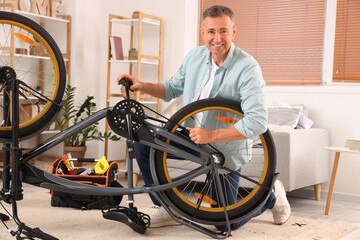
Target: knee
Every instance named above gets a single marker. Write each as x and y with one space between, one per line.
142 152
141 148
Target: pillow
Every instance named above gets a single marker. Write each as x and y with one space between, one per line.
284 116
277 128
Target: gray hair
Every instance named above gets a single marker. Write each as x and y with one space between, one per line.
217 11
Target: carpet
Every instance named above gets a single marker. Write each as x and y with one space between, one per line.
72 224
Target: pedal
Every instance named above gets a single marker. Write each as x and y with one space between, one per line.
138 221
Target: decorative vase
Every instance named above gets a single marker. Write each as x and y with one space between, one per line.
76 152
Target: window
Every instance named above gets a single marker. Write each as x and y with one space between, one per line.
285 37
347 44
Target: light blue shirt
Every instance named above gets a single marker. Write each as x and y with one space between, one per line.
239 78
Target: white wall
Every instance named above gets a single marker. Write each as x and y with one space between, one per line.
332 107
90 45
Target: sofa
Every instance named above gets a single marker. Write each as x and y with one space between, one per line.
302 160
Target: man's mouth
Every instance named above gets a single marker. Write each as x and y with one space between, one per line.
218 45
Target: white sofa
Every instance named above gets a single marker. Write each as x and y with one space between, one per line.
301 158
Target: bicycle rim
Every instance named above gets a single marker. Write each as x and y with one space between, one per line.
28 50
199 199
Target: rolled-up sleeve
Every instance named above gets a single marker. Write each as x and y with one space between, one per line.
174 86
253 102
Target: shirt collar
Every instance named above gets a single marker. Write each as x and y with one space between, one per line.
228 59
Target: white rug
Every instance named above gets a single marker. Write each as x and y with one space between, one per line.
67 223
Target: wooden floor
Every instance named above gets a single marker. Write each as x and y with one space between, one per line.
340 211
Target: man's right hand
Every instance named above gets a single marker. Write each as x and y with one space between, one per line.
154 89
136 84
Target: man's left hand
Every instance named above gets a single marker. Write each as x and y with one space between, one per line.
200 135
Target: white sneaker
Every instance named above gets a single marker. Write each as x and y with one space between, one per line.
281 210
162 219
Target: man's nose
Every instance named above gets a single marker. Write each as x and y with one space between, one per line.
217 37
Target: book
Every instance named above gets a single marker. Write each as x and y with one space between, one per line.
116 48
352 144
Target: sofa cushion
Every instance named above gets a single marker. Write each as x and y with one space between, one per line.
284 116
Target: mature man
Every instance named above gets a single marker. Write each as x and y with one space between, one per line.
222 70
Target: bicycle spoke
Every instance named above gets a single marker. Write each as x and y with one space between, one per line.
201 196
42 74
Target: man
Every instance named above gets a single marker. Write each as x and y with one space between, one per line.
218 69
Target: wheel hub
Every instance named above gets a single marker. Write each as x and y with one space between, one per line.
6 74
218 158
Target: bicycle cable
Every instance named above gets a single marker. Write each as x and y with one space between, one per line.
3 221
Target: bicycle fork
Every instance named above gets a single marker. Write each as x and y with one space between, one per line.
195 226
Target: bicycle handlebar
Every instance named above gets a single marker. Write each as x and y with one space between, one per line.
37 233
40 234
127 86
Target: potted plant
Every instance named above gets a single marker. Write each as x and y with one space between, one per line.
72 114
133 54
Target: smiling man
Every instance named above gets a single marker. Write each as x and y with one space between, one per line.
217 70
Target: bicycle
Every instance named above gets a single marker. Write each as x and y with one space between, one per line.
193 198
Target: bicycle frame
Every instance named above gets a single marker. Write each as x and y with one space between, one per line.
38 177
148 134
35 176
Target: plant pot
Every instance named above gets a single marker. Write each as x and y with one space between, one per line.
37 51
76 152
133 54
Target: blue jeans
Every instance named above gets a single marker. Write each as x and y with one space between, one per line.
142 157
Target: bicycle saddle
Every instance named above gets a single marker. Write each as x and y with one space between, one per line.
138 221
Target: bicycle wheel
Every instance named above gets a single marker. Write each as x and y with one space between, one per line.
31 55
199 199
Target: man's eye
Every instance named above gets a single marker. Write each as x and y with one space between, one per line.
211 32
224 31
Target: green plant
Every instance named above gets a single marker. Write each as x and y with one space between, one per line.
133 49
72 115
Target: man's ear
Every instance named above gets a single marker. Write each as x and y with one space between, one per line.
202 32
234 32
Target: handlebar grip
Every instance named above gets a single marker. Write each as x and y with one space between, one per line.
127 86
125 83
40 234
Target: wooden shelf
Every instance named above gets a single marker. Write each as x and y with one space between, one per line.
133 22
30 56
142 61
40 18
138 22
48 23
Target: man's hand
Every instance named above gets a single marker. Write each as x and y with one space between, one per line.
136 84
200 135
154 89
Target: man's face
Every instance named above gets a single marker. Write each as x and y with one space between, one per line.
218 34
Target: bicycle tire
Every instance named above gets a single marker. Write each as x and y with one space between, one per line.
50 73
207 213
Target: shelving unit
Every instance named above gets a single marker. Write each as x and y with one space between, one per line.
137 26
60 29
47 22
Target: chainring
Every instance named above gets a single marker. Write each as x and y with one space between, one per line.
117 116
